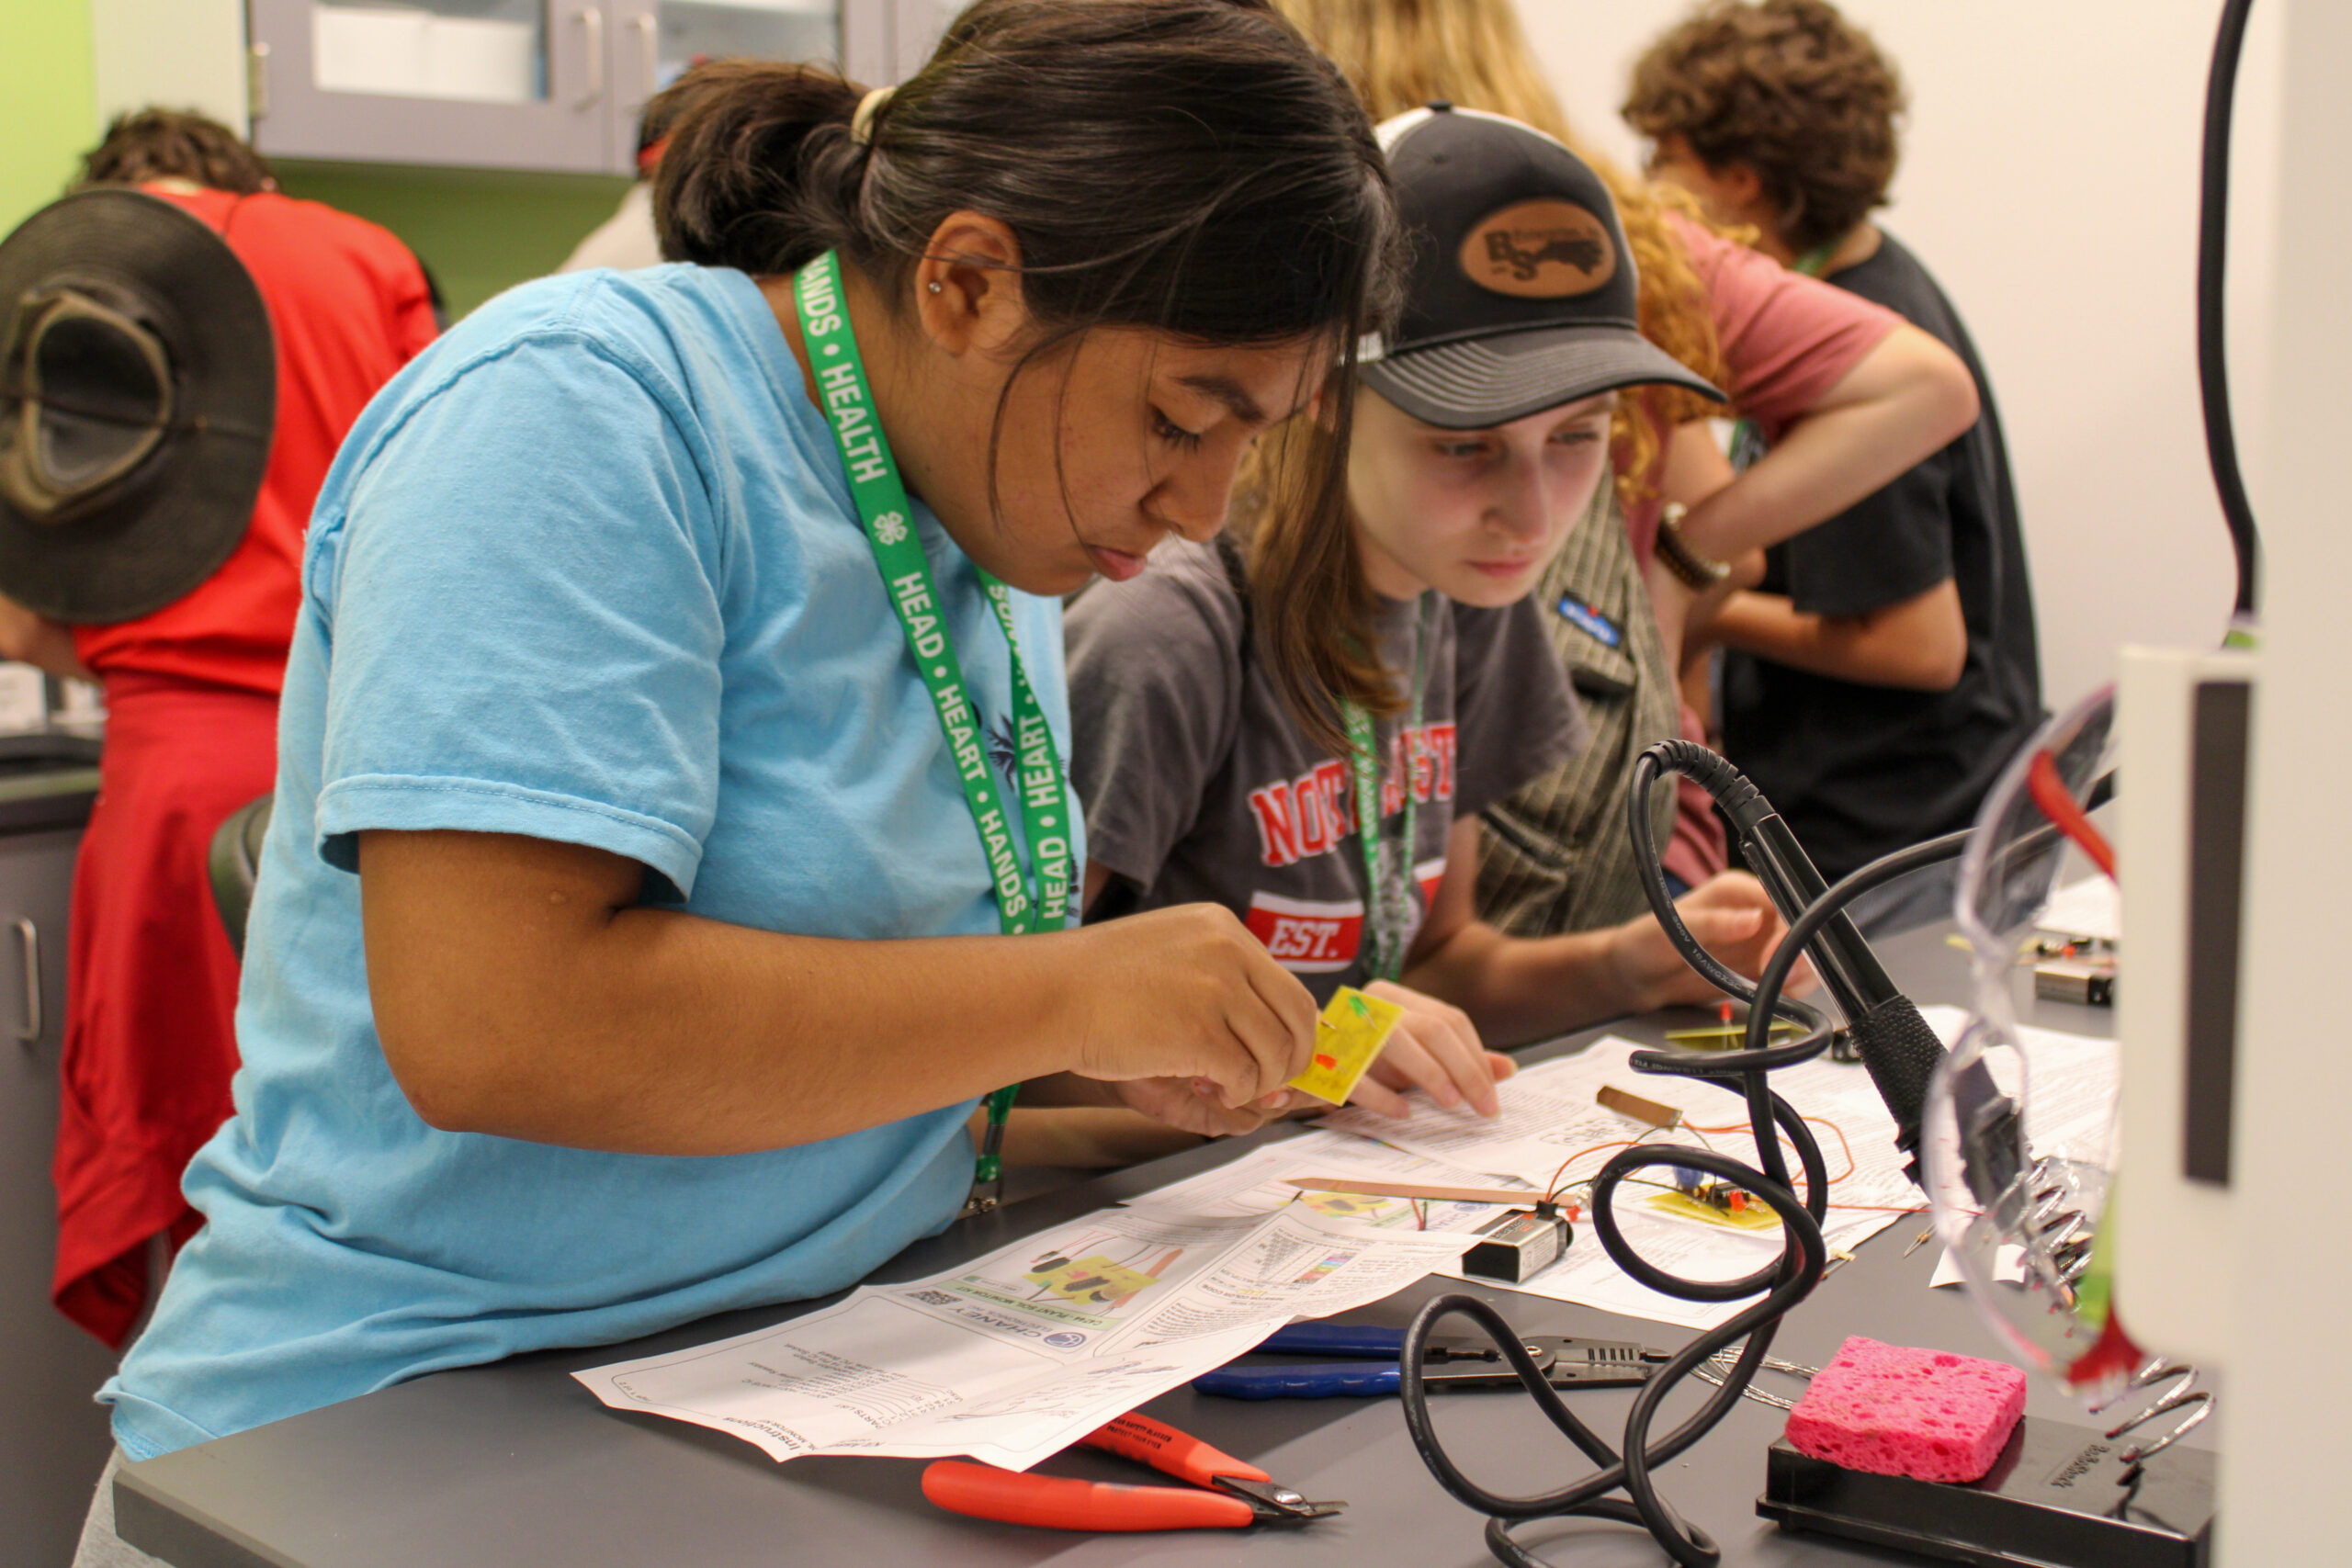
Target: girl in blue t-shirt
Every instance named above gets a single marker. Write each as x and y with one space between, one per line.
657 786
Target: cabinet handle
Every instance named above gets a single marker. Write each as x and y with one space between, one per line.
591 21
649 39
29 937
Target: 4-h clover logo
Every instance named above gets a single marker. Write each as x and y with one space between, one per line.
891 527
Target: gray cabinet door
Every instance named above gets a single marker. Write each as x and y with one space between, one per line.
481 84
53 1441
554 85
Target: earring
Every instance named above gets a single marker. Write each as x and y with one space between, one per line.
933 286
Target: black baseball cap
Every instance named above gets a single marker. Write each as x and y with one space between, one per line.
1521 295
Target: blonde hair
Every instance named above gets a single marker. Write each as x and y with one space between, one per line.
1400 54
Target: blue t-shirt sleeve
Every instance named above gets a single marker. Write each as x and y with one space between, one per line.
524 598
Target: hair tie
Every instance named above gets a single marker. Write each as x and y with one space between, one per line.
861 123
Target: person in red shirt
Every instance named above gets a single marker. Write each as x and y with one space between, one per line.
191 694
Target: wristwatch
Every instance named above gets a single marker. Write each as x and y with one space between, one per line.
1695 572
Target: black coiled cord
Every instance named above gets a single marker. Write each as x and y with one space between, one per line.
1628 1472
1786 1282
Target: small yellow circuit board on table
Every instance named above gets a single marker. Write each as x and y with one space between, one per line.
1348 1038
1751 1216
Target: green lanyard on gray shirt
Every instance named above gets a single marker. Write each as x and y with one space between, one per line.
1387 879
880 496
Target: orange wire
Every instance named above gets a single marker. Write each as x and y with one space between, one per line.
2057 803
1553 1191
1844 1147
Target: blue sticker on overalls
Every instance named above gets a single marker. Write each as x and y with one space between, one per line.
1591 622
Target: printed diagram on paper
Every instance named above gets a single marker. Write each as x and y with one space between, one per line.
1549 1116
1088 1280
1021 1353
1018 1354
1550 1120
1258 1183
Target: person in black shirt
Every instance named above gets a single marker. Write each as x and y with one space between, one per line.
1886 667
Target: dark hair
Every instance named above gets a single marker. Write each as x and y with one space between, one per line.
1191 167
159 145
662 109
1790 89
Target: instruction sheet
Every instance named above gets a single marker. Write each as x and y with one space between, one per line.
1018 1354
1551 1121
1259 1183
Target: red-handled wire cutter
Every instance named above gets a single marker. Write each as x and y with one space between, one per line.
1236 1497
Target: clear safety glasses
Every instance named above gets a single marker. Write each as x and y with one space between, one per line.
2019 1193
2021 1186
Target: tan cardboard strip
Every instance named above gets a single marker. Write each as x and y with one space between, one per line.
1521 1197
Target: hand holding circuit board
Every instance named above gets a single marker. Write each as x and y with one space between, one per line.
1349 1037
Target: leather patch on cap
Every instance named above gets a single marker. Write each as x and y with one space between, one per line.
1539 250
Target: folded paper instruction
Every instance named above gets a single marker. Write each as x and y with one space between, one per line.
1017 1355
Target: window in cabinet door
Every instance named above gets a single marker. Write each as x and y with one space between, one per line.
484 52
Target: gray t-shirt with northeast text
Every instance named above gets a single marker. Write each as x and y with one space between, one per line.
1199 784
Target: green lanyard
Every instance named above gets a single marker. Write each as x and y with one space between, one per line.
1747 444
1388 878
1043 798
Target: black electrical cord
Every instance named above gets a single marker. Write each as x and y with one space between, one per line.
2213 337
1787 1282
1719 776
1806 1257
1878 874
1784 1282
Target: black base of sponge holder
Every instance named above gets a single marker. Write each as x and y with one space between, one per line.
2058 1497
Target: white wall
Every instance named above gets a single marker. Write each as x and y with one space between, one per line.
180 55
2050 180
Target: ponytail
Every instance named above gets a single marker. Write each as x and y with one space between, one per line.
759 172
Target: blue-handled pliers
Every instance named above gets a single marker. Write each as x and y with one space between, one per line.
1372 1368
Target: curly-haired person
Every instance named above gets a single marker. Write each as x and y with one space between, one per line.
1886 667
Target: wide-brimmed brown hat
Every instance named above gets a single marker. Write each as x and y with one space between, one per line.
138 392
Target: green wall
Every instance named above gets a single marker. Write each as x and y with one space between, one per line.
478 230
48 102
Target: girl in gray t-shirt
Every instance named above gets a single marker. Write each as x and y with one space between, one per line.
1480 441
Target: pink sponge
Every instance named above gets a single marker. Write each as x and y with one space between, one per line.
1929 1414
